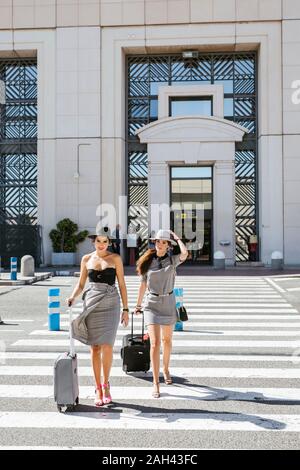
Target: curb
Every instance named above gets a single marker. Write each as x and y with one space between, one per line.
41 277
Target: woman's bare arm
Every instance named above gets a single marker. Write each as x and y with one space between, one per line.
142 290
82 280
123 290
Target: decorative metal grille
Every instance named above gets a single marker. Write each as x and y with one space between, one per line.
237 73
18 149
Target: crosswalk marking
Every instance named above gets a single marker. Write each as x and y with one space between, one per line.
293 324
293 373
152 421
273 284
17 320
182 334
239 345
175 357
6 330
234 316
170 393
283 305
201 343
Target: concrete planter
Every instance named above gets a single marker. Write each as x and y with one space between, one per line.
63 259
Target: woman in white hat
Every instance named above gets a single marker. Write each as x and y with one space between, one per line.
98 323
157 270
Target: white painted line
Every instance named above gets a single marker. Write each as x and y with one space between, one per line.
236 311
16 320
175 392
293 288
201 343
246 310
232 290
235 372
82 356
249 304
203 303
218 324
272 283
241 317
5 330
185 333
242 310
152 421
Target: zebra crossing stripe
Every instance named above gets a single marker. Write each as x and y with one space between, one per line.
226 372
241 317
171 393
175 357
218 324
203 343
183 334
5 330
15 320
152 421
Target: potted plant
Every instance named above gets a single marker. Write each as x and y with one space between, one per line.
64 242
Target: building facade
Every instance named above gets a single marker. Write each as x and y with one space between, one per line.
166 102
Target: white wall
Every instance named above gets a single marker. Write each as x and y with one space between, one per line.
82 77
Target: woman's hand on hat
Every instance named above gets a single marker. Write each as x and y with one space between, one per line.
176 238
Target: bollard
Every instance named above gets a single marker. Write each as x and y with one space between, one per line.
13 268
27 266
219 260
178 291
53 310
277 260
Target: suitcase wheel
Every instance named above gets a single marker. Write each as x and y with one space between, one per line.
77 401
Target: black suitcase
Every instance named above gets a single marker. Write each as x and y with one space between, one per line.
135 351
66 389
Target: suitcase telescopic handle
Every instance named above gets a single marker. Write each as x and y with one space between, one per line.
72 345
132 313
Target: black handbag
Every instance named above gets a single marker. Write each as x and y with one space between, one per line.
182 314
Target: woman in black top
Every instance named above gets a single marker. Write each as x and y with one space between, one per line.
98 323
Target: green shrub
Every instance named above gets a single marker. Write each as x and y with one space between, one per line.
64 238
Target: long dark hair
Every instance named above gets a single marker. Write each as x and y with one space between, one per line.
144 262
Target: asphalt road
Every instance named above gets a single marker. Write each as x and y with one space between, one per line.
235 369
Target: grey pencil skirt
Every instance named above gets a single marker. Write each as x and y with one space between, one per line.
103 320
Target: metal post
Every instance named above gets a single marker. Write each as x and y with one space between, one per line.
54 310
178 291
13 268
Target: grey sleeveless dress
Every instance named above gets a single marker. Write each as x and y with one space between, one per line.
160 278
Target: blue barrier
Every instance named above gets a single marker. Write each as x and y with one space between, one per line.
54 310
178 291
13 268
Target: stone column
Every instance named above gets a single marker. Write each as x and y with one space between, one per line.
224 209
158 195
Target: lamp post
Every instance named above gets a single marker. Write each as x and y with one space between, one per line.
77 174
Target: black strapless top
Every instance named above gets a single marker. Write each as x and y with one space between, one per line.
106 276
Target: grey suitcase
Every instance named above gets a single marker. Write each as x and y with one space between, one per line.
66 389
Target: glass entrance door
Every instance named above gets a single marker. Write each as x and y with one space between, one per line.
192 210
